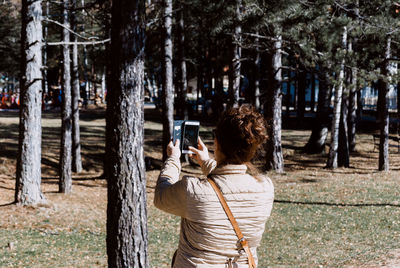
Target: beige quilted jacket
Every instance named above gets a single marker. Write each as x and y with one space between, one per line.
207 238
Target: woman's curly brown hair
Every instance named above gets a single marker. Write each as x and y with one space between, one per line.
239 133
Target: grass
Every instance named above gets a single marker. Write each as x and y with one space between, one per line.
34 248
329 218
331 235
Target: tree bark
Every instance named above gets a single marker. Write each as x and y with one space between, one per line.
343 149
45 83
76 143
237 54
104 83
200 76
183 111
332 157
65 184
273 113
398 95
384 113
28 176
168 93
317 140
353 105
257 77
124 167
352 116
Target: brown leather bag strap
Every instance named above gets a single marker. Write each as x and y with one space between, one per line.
235 225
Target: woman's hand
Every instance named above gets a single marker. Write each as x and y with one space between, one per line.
200 154
174 150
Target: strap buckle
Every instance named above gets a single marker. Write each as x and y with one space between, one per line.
241 244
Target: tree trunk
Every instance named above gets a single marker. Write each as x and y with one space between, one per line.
104 83
257 78
384 113
352 117
317 140
86 97
398 94
301 102
332 157
124 167
65 184
76 143
168 94
273 113
45 83
353 105
200 76
28 176
343 149
183 111
237 54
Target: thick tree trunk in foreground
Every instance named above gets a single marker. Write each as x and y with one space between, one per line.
124 167
384 113
76 143
332 157
237 54
273 114
168 90
27 190
65 184
317 140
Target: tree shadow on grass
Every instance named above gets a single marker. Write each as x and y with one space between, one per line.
8 204
336 204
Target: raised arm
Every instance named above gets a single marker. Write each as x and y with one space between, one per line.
170 192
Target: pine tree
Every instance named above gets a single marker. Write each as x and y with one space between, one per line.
65 184
168 89
124 167
27 189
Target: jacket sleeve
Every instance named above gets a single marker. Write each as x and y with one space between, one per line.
170 192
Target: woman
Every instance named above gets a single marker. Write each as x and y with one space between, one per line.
207 238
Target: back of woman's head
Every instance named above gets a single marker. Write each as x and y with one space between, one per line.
239 133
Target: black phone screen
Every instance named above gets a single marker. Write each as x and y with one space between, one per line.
190 136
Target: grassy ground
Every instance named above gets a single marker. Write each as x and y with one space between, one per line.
345 217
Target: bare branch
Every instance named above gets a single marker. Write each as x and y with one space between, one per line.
71 31
79 43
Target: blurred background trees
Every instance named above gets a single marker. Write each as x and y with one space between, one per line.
324 65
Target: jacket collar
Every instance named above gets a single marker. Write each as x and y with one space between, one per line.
229 169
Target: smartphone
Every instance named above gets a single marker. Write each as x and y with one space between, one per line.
177 132
190 136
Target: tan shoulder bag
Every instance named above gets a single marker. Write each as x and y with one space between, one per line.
242 240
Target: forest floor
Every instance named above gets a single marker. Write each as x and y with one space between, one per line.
348 217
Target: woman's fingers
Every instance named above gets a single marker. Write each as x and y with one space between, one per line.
194 150
201 144
177 143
